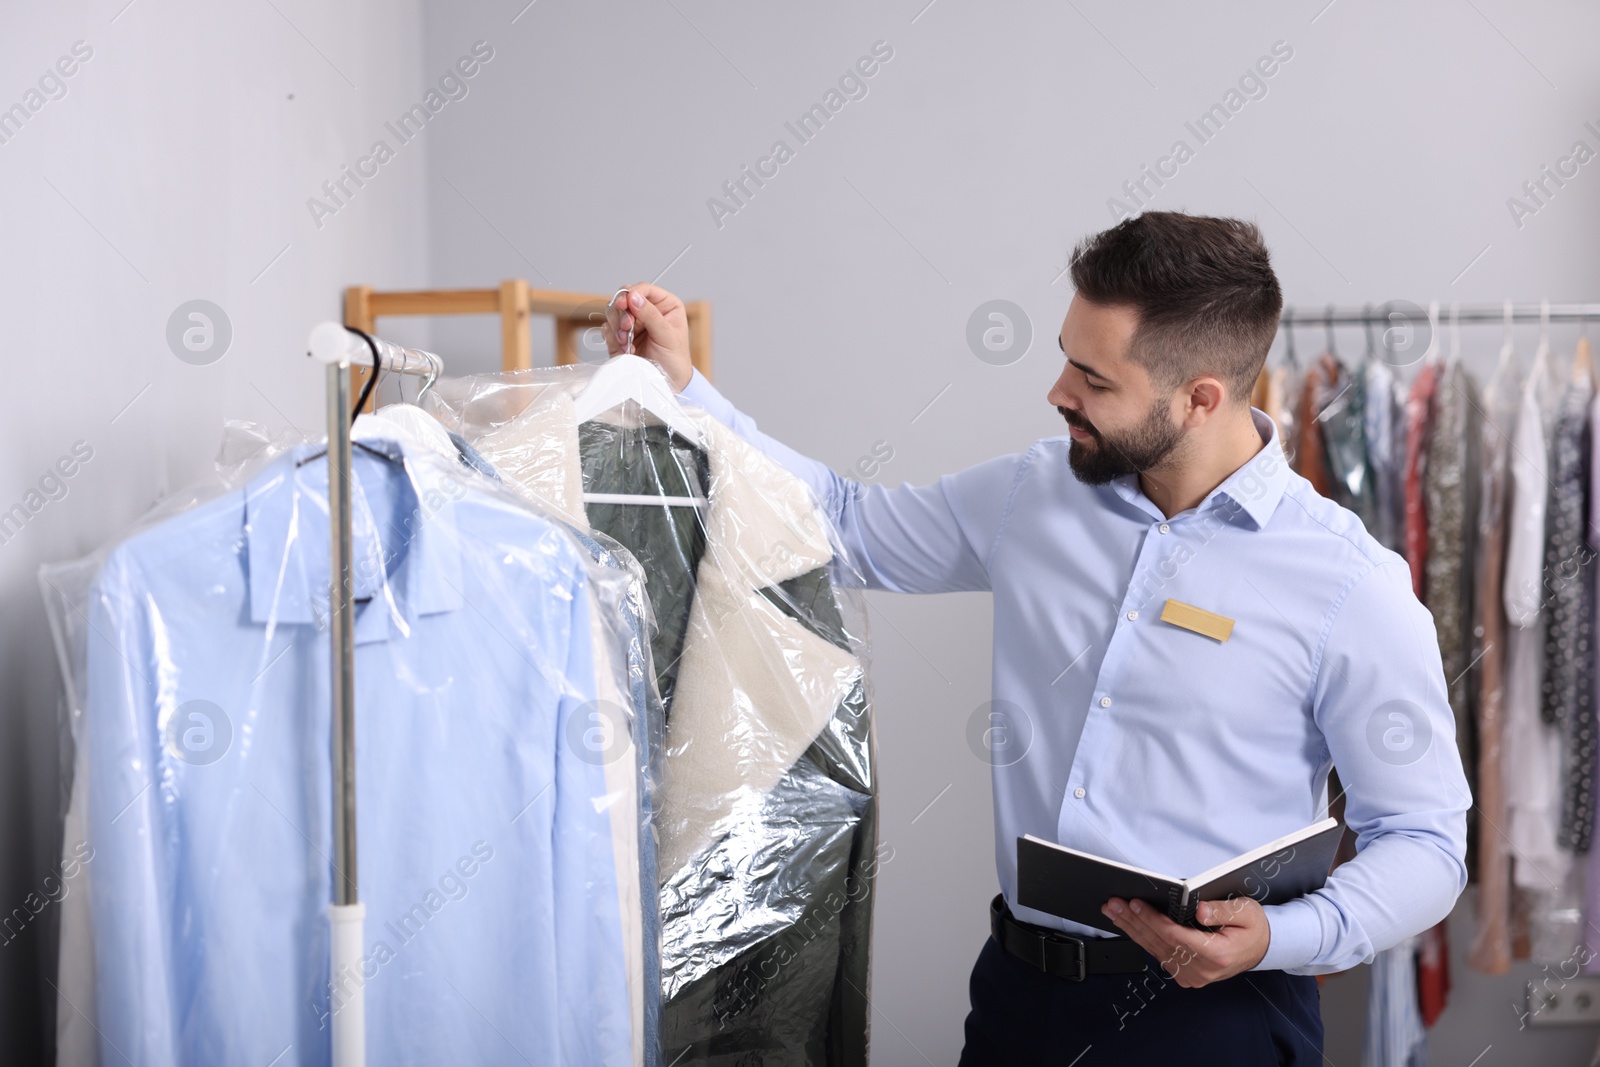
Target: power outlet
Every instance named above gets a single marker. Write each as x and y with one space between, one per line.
1564 1002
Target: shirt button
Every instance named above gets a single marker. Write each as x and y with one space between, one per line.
1079 792
1164 528
1133 616
1105 702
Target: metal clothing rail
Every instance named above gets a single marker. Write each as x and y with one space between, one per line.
339 349
1396 312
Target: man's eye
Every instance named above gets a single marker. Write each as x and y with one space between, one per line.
1097 388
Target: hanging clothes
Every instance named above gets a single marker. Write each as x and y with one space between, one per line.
1316 390
1433 972
1433 964
767 812
1418 427
1450 490
203 734
1385 451
1568 690
1585 362
1344 439
1280 402
1541 870
1395 1035
1491 942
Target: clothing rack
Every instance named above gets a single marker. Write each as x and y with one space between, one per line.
1469 313
515 302
340 349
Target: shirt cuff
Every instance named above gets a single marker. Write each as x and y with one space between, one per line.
1295 931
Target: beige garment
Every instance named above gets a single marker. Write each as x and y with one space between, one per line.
1491 941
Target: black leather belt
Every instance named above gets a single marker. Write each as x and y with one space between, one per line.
1061 954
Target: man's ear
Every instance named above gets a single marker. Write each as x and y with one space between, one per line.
1205 400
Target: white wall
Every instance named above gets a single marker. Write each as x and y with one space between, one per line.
1378 163
176 167
582 158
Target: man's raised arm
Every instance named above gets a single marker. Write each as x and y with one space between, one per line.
909 539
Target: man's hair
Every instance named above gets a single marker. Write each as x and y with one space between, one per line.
1203 288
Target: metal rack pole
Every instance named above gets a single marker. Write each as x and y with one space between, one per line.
338 347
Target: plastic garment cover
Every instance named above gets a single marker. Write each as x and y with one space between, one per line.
1568 692
767 820
1491 941
498 834
1343 419
1451 485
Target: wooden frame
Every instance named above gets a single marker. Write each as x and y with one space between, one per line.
515 302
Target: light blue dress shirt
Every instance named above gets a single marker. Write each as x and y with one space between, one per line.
484 839
1132 738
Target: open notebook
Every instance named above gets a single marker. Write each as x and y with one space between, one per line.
1074 885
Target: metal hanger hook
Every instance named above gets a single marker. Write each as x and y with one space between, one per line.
435 368
627 346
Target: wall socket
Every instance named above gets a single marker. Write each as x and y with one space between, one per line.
1555 1001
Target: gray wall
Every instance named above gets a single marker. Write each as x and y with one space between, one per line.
1379 163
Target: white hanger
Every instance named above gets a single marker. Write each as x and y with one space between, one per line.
1508 351
1541 355
1455 333
1432 354
628 377
409 422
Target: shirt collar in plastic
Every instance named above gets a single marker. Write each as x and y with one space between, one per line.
286 531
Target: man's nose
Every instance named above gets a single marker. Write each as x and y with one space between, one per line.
1060 396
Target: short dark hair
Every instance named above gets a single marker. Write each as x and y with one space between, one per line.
1207 299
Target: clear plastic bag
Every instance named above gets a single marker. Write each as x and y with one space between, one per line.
767 813
503 696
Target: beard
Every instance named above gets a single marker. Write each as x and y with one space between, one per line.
1133 451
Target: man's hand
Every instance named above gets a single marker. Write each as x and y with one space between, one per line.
1197 957
660 330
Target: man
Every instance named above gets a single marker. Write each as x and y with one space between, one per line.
1146 741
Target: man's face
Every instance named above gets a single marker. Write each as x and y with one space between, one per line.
1119 422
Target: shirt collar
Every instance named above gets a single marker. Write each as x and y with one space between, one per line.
286 534
1249 495
1256 488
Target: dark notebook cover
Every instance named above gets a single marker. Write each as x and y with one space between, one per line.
1075 885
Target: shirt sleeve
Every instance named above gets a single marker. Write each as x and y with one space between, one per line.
1380 703
935 538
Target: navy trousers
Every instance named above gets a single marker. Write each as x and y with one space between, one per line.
1022 1016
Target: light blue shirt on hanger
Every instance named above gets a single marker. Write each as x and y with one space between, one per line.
484 840
1119 734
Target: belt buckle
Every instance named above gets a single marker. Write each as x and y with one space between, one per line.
1080 963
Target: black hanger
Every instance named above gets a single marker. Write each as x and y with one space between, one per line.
1288 340
361 402
1327 325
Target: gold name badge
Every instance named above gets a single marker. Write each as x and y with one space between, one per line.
1205 623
